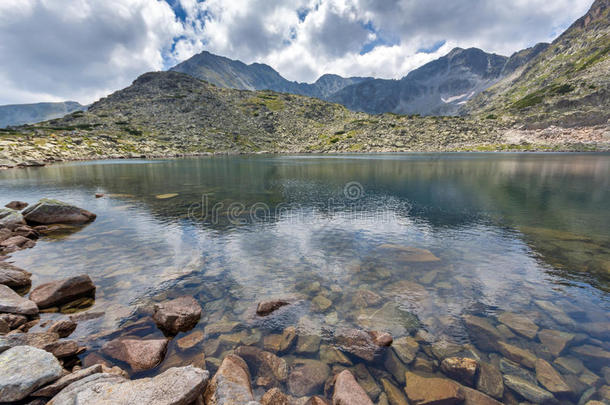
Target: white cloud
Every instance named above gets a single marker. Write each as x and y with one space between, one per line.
84 49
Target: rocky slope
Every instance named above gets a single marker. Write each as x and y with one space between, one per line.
566 84
19 114
170 113
234 74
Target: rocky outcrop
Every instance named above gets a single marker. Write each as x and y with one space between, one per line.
24 369
13 303
178 315
176 386
62 291
348 392
138 353
14 277
231 384
363 344
47 211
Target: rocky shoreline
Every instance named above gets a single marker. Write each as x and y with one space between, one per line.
514 359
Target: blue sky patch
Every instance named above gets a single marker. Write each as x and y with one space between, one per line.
431 49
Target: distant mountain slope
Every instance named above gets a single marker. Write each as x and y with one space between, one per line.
19 114
436 88
229 73
566 84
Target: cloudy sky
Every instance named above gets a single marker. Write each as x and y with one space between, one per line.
53 50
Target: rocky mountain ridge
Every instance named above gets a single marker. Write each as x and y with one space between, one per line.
19 114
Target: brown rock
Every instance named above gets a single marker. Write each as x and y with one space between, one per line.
4 328
13 320
474 397
17 242
191 340
432 391
519 324
555 340
139 354
13 303
406 348
264 308
594 354
483 333
231 384
271 369
348 392
366 345
409 254
14 277
26 232
316 400
274 397
62 291
460 368
16 205
40 340
47 211
307 377
63 348
308 344
550 379
63 328
395 394
490 381
365 298
517 354
178 315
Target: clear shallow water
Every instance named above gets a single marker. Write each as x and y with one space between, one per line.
500 232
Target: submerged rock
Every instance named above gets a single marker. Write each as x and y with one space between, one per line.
432 391
60 292
307 377
191 340
274 397
23 369
395 394
409 254
269 369
517 354
14 277
555 340
528 390
406 348
550 379
13 303
264 308
482 332
366 345
474 397
47 211
594 354
176 386
348 392
139 354
490 380
519 324
231 384
178 315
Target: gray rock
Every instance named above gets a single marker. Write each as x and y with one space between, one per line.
52 389
23 369
176 386
40 340
48 211
140 354
527 390
10 217
13 303
14 277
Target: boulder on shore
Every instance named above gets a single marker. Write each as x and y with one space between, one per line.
48 211
14 277
176 386
231 383
16 205
178 315
13 303
138 353
23 369
60 292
